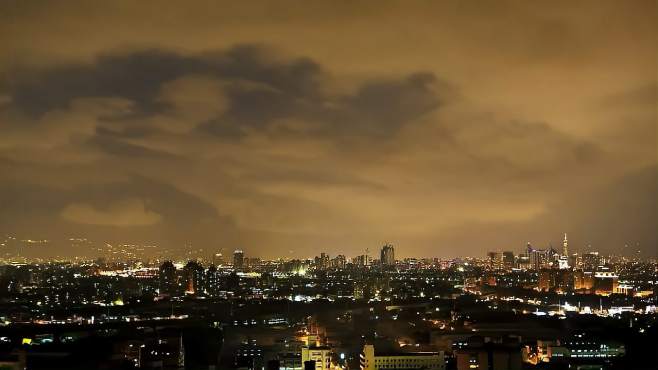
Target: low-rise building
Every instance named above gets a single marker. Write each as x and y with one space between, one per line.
370 360
321 355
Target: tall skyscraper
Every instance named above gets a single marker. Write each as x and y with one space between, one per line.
565 246
387 255
238 259
539 258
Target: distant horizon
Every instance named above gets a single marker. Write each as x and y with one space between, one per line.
374 250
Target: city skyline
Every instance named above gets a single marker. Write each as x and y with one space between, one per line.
14 249
538 309
446 127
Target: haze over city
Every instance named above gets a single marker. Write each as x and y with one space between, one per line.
448 128
329 185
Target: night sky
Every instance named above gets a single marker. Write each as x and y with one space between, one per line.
290 128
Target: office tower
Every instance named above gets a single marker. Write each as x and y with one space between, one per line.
387 255
565 246
563 260
238 259
539 258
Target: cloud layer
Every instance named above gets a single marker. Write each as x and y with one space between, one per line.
280 147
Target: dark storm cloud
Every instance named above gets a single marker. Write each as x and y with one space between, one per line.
139 75
134 76
112 143
260 87
382 107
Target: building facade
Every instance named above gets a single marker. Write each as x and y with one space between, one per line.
369 360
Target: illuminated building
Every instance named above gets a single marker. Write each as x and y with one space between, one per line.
605 282
193 273
495 260
321 355
508 260
565 246
361 291
563 262
539 258
212 281
322 261
370 360
218 259
480 353
591 261
166 352
545 281
249 356
524 262
238 259
555 279
167 278
339 262
289 361
576 261
583 280
584 347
